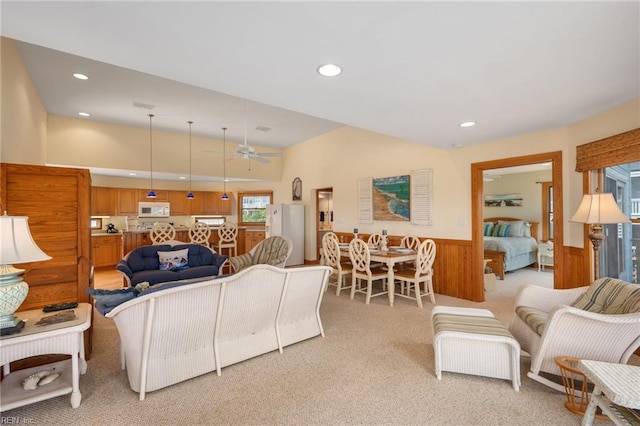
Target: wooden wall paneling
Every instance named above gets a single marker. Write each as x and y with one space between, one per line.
575 264
57 201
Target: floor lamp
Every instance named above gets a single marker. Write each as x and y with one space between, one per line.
598 209
16 246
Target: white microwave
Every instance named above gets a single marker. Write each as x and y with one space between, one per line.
146 209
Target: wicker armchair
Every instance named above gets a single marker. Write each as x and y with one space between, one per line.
271 251
600 322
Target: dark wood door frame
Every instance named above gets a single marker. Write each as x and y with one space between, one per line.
477 205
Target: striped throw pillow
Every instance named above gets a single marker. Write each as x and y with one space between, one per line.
488 229
501 230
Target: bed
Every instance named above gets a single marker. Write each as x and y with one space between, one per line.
509 243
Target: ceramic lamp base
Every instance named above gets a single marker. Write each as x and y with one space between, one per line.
13 291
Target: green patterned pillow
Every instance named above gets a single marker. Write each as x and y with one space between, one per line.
488 229
501 230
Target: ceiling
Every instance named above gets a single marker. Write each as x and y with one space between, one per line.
411 70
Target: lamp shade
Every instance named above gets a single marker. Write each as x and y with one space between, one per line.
16 242
599 208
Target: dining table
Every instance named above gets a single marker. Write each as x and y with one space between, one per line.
392 257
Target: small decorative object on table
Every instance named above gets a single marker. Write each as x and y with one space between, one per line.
57 318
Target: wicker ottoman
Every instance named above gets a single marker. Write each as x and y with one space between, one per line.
473 341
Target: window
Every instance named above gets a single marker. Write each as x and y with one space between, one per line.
619 250
252 207
211 220
547 211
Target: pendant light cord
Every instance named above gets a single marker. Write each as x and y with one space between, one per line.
190 123
224 159
151 151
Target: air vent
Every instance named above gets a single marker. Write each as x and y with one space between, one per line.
144 106
263 128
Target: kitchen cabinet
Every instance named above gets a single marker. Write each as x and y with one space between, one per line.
127 204
106 250
131 240
180 204
162 195
103 201
252 238
209 203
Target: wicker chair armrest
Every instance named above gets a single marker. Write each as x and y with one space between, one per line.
614 337
238 263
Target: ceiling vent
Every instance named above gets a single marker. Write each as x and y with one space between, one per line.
144 106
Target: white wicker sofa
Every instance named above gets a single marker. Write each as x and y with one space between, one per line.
600 322
178 333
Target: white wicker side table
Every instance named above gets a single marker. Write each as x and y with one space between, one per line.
617 389
61 338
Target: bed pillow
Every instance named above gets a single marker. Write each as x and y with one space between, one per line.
501 230
516 229
527 229
174 260
488 229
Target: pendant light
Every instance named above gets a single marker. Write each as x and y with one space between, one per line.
225 196
190 195
151 193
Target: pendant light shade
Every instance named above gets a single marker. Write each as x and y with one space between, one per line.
190 195
225 196
151 193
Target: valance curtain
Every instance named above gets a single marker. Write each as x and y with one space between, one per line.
618 149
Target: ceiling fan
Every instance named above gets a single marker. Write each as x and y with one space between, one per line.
248 152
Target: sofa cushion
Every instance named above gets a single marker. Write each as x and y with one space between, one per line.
534 318
146 257
198 272
198 255
153 277
174 260
610 296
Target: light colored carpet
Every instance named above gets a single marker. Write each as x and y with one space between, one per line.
374 367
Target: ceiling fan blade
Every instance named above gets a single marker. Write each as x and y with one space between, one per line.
269 154
259 159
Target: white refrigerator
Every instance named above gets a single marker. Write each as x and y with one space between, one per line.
287 220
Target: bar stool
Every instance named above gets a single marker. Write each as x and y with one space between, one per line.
228 239
199 233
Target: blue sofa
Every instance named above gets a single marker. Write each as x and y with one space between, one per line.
142 264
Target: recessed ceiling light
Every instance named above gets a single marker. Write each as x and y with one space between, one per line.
329 70
133 174
468 124
84 114
182 177
80 76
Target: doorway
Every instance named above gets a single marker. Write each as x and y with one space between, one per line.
324 216
477 213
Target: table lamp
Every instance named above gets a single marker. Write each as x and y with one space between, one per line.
595 210
16 246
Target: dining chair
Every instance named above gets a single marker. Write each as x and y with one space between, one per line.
332 258
200 233
162 232
228 239
374 239
362 270
409 242
422 273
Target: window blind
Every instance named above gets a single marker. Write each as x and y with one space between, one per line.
618 149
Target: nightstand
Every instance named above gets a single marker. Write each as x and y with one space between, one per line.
545 255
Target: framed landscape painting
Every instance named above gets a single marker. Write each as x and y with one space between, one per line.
391 198
504 200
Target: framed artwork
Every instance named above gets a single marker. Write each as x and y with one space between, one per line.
296 189
503 200
391 198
